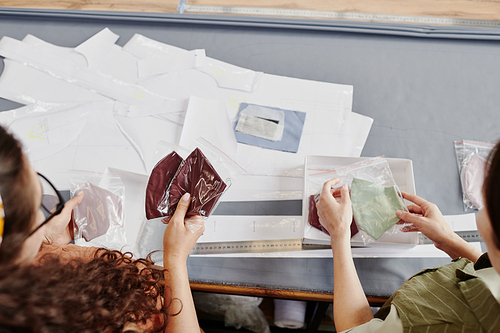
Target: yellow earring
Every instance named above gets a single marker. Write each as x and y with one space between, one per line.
2 219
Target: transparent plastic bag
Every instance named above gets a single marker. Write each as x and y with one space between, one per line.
206 173
99 218
374 194
472 165
196 176
205 176
313 217
238 311
160 178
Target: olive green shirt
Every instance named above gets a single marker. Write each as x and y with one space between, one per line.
458 297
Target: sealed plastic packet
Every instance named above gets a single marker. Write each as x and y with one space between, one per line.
160 178
206 173
206 176
99 218
375 197
472 165
313 217
196 176
374 206
169 157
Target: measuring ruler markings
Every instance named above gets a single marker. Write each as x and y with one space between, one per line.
469 236
254 246
291 245
262 11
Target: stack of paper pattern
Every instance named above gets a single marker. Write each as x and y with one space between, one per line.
101 105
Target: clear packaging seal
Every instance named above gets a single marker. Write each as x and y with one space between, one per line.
100 217
374 194
473 164
206 173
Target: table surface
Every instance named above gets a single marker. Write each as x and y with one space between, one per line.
423 93
459 9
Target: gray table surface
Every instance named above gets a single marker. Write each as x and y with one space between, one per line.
425 87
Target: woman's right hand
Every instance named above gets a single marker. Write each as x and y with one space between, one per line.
181 233
426 217
335 215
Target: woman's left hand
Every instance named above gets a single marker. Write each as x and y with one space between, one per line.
59 230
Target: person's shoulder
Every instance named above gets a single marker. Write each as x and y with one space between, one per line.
65 253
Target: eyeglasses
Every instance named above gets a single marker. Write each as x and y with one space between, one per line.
52 201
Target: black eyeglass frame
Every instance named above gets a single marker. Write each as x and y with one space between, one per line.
59 206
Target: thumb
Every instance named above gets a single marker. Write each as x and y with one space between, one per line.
182 207
73 202
409 217
344 194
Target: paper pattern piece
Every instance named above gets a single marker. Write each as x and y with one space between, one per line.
230 76
98 209
158 181
208 119
195 176
271 128
171 63
46 133
130 98
27 85
374 207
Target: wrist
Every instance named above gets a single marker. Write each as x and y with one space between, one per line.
455 247
173 260
340 241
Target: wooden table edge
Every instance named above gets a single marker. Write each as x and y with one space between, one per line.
274 293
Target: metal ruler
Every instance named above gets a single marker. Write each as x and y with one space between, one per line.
254 246
292 245
469 236
304 13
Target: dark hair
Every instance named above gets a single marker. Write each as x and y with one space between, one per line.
102 295
20 209
491 189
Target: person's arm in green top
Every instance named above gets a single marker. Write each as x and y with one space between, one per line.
428 219
350 306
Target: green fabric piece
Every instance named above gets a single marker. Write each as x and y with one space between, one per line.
374 207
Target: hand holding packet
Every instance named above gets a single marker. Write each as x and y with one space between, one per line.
206 175
196 176
100 217
374 194
313 218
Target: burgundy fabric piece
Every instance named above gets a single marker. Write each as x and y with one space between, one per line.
98 210
159 180
196 176
314 218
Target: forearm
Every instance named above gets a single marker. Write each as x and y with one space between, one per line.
178 294
456 247
350 306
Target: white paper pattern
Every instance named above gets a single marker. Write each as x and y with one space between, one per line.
131 97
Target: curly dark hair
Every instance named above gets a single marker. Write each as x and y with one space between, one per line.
492 194
18 200
102 295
